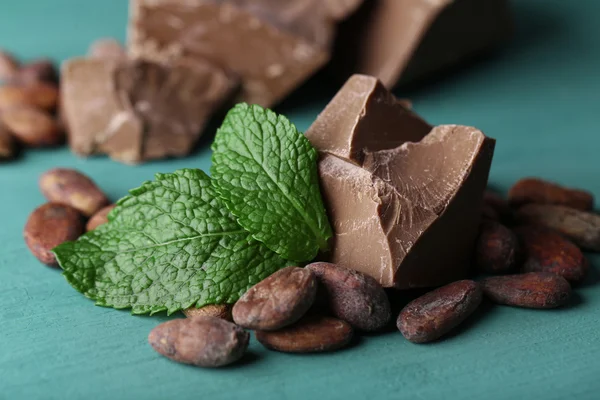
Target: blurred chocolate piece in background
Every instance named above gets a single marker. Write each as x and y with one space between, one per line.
273 46
137 110
403 41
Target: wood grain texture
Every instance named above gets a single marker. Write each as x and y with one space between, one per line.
539 98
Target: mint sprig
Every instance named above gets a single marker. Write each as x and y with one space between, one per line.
265 171
169 245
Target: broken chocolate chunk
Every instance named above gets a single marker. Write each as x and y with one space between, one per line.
138 110
272 46
408 215
402 41
367 118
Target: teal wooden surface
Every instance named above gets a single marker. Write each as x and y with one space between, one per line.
539 98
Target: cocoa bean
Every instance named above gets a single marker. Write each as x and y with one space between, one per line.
99 218
277 301
531 290
312 334
545 250
496 249
353 296
71 187
222 311
32 126
582 228
200 341
431 316
539 191
50 225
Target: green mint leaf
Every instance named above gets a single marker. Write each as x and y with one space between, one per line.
169 245
265 171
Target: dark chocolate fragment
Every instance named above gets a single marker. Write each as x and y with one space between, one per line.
273 50
409 216
138 110
401 41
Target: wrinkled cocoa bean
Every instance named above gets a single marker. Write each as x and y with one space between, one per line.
531 290
99 218
222 311
353 296
277 301
535 190
496 249
431 316
545 250
201 341
50 225
32 126
312 334
71 187
582 228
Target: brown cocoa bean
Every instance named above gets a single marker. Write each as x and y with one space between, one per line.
50 225
39 94
222 311
32 126
496 249
531 290
9 66
99 218
353 296
436 313
500 205
582 228
107 48
535 190
545 250
201 341
277 301
71 187
312 334
489 213
8 147
42 70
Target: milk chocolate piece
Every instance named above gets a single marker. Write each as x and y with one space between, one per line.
310 19
272 48
409 215
138 110
401 41
365 117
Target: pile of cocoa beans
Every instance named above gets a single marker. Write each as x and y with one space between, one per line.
528 254
29 96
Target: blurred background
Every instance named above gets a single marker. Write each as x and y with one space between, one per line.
540 91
